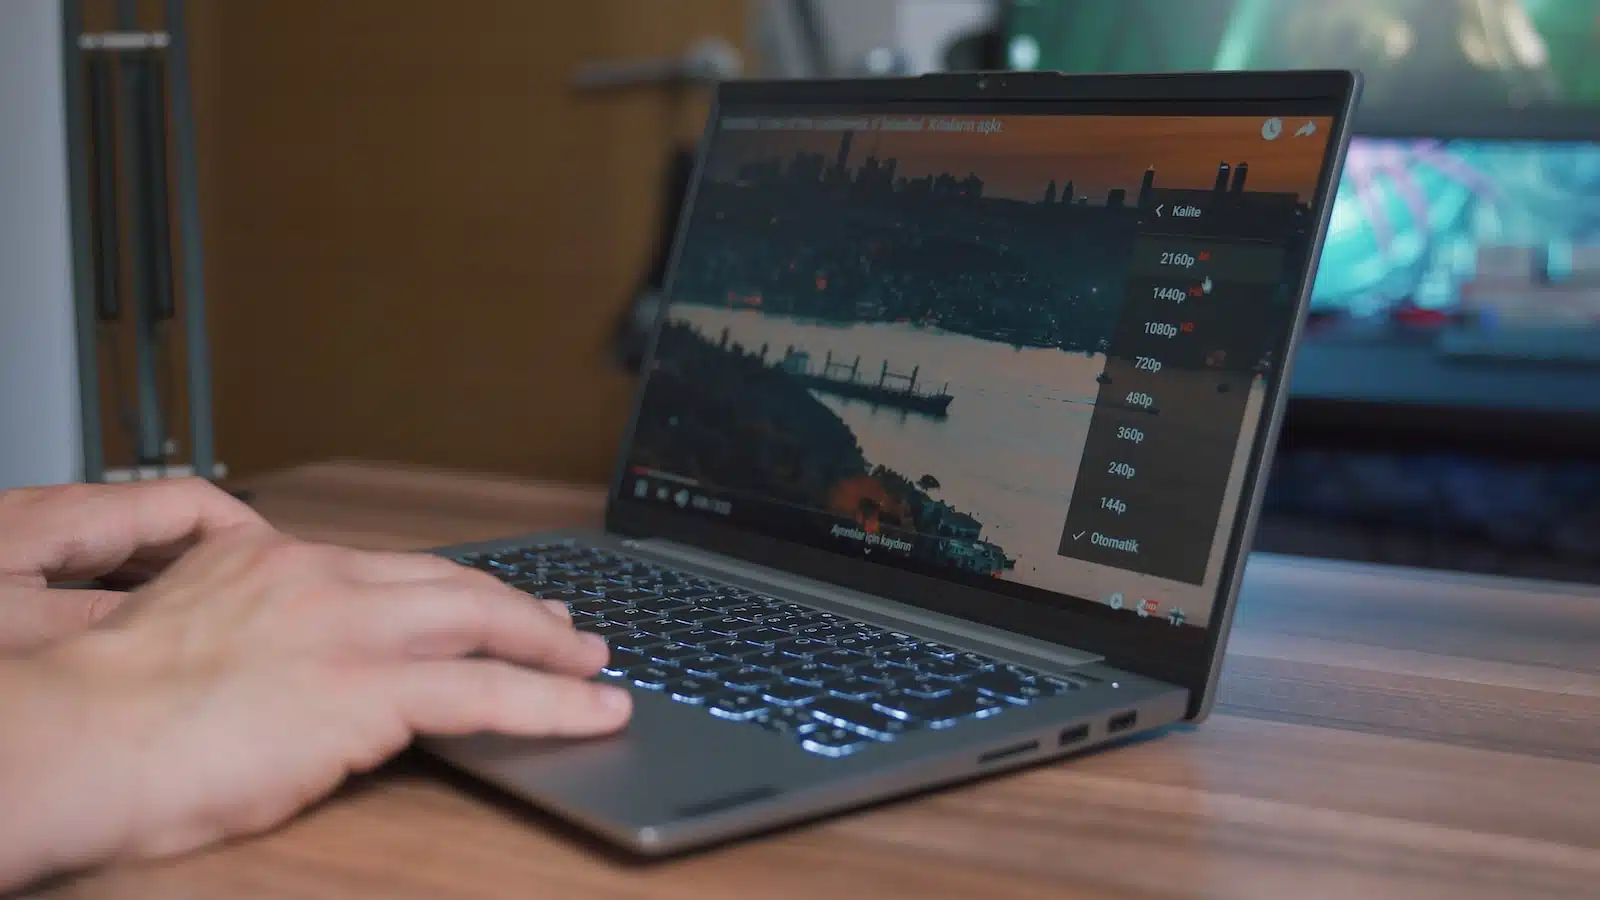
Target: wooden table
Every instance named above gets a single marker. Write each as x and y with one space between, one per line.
1381 733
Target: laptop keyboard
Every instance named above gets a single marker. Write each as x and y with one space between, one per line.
834 684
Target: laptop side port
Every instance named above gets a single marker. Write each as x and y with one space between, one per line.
1077 734
1122 721
1008 752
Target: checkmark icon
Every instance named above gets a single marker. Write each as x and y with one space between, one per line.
1079 535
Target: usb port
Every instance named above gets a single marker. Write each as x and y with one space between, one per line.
1122 721
1077 734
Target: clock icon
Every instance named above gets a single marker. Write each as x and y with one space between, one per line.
1271 128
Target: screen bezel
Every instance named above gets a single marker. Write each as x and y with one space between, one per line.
1187 656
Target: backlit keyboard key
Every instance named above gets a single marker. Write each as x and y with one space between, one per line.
629 614
736 707
728 625
844 660
595 625
637 641
672 653
859 717
791 721
807 673
854 688
714 667
834 742
943 712
787 694
764 636
651 678
621 661
748 679
802 647
1005 685
770 660
690 690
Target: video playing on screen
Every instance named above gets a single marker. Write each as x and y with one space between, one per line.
1025 350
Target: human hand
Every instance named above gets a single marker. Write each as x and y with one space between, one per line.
82 532
257 672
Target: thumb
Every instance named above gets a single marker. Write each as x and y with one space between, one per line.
32 617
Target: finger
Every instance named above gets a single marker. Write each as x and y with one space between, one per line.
453 697
485 581
456 617
397 568
557 608
391 568
76 532
32 618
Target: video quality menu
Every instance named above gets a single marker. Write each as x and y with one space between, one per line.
1197 319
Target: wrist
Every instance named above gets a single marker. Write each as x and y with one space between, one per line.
67 797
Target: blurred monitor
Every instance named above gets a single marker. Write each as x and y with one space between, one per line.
1439 59
1461 271
1494 234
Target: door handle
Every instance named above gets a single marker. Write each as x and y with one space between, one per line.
707 61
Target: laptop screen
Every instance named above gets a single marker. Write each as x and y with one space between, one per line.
1025 352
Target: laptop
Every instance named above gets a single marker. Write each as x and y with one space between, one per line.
949 446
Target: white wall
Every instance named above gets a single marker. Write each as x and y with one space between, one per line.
39 424
852 28
920 30
924 29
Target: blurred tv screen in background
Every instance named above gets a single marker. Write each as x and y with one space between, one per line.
1478 56
1480 246
1498 232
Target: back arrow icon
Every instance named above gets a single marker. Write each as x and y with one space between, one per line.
1159 209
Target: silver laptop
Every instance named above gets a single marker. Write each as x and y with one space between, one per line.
949 449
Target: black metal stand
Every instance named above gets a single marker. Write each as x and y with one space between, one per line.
131 149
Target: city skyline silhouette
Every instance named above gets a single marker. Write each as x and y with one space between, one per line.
1095 154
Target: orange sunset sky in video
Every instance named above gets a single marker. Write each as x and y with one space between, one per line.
1096 153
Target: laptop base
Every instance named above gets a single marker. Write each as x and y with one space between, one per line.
677 778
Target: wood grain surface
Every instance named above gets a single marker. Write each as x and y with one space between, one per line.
1381 733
